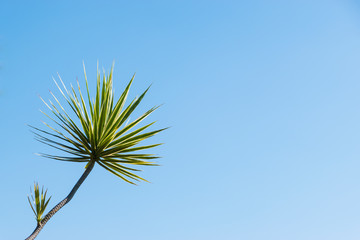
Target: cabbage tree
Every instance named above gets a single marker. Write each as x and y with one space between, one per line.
93 132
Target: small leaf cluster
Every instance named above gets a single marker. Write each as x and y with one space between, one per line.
38 202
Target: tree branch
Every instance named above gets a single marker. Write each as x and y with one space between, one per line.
61 204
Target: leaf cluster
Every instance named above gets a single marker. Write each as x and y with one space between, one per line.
101 130
38 202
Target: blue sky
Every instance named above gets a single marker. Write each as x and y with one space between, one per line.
262 96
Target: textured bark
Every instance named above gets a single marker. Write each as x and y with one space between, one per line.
42 223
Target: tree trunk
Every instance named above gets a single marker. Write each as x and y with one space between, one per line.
42 223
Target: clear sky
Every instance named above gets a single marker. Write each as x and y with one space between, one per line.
263 98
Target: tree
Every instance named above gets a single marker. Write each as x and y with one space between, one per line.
97 135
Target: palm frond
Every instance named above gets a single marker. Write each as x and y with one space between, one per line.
98 132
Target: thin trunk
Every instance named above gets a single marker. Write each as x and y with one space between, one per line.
62 203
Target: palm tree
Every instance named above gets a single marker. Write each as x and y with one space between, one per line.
98 134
